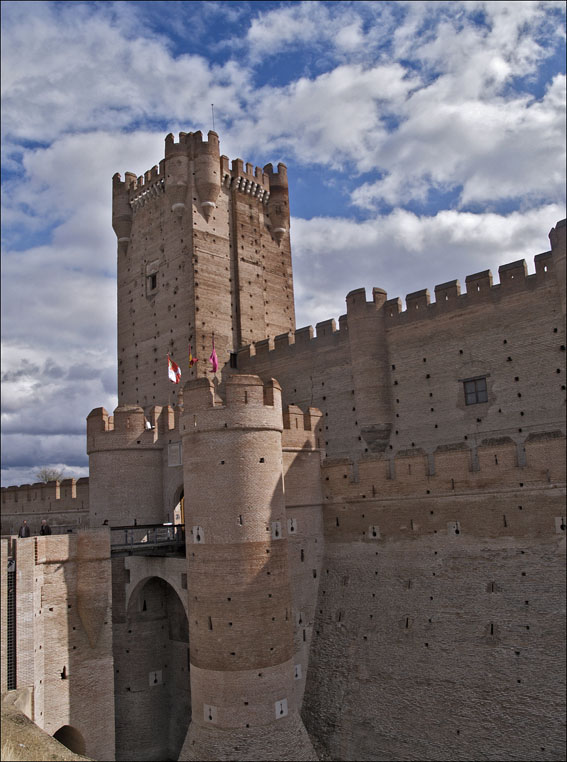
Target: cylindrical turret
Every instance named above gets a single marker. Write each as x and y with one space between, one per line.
207 171
176 173
125 462
121 211
278 203
240 610
370 367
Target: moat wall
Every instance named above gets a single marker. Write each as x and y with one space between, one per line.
443 616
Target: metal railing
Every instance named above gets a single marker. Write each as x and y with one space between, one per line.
150 539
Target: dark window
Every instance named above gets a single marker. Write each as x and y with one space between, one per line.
475 391
152 282
233 360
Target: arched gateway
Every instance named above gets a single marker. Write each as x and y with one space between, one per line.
153 700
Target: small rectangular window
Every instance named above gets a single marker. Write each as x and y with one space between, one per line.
152 282
475 391
233 360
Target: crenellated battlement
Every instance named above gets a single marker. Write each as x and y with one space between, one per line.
66 489
130 426
302 339
301 430
192 144
245 178
448 297
63 503
240 390
480 290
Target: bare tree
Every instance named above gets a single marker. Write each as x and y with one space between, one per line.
47 474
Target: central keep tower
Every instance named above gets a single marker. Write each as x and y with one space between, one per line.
203 250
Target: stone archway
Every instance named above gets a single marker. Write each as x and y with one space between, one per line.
153 699
71 738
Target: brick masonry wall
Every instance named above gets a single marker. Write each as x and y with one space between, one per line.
64 636
441 606
4 614
443 629
241 619
395 380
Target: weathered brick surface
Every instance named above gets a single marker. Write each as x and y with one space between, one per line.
444 646
241 617
64 635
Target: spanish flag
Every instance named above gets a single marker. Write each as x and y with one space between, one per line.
173 371
192 360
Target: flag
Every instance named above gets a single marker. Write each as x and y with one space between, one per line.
192 360
173 371
213 359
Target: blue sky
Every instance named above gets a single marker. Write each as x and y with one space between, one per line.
424 141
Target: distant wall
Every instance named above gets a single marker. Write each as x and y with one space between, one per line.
64 505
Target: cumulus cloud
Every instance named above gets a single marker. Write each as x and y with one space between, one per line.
395 103
116 79
504 148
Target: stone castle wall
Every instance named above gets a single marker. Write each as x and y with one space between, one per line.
442 610
65 506
411 604
387 380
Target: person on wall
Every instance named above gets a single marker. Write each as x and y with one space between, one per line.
24 530
45 528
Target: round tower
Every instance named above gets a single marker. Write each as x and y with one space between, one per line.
176 173
240 611
125 466
370 368
121 210
557 240
207 171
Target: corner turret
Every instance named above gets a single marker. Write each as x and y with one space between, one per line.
278 203
121 211
207 171
176 173
557 240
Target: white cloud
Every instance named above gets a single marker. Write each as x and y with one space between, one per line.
73 67
420 91
498 149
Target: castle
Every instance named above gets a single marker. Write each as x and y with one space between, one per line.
345 543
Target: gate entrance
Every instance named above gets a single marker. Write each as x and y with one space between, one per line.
153 700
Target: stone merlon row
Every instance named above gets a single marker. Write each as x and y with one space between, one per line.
448 297
244 393
55 490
